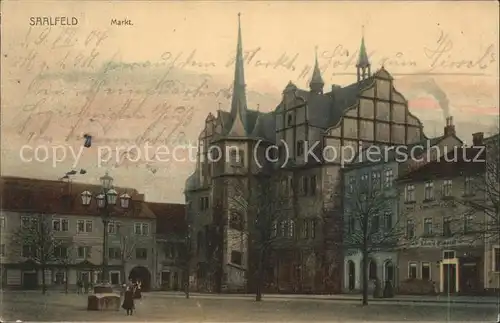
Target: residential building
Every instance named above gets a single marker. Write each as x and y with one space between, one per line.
306 252
377 167
490 187
77 230
172 245
443 243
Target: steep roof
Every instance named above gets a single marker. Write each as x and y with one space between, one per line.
170 217
30 195
460 161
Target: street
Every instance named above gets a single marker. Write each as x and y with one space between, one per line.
158 306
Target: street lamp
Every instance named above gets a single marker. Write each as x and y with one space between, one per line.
106 200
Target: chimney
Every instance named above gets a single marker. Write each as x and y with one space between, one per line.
449 129
477 139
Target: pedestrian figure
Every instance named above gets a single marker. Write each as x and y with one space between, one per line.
128 301
79 286
86 286
137 290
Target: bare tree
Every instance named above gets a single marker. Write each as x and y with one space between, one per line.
255 210
482 190
128 242
65 254
36 236
368 226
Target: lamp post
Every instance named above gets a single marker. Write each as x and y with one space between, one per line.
106 200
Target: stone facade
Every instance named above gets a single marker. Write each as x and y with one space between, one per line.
308 128
443 241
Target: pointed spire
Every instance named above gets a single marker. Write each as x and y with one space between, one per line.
316 84
363 56
363 64
239 100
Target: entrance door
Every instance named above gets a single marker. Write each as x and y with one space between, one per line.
115 278
30 280
469 278
176 281
389 272
450 276
165 280
352 275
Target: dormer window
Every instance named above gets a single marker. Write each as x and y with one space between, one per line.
86 198
124 200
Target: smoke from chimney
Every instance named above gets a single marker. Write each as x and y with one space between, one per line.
433 88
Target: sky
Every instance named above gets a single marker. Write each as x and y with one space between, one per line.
161 75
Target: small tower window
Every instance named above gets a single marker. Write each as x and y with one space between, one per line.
290 120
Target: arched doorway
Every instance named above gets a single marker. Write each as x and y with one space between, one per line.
351 267
141 274
372 269
389 271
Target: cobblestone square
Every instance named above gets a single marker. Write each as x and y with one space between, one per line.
162 307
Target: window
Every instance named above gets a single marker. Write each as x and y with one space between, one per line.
375 224
305 185
313 185
429 191
313 228
468 223
447 188
114 253
496 259
282 232
141 253
300 147
114 227
468 186
2 223
141 229
389 178
204 203
388 221
364 180
412 270
426 271
28 251
427 226
236 257
376 180
237 158
83 252
236 220
289 119
291 228
60 252
447 227
410 193
448 254
410 229
305 229
352 182
60 225
274 231
26 222
84 226
2 250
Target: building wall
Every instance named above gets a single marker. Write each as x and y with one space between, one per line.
73 239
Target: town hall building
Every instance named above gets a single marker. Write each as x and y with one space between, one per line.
305 254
